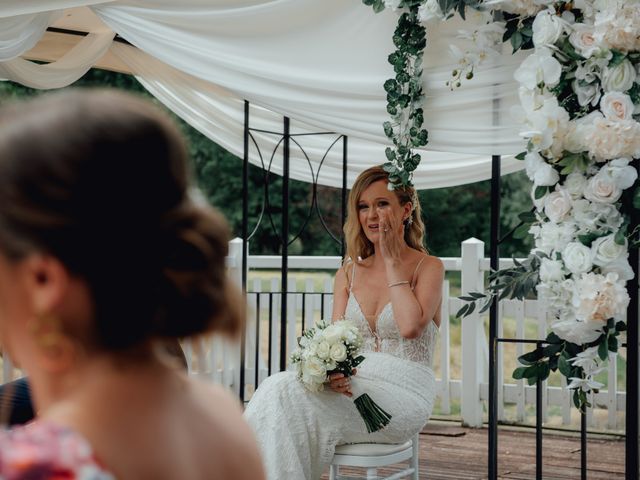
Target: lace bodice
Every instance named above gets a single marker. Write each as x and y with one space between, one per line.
386 336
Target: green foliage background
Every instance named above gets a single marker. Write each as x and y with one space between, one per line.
451 214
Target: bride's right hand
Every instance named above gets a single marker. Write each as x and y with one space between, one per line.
341 384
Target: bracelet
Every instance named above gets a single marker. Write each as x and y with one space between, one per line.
395 284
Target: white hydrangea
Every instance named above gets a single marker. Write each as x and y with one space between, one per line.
599 297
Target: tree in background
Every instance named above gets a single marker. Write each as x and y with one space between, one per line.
451 214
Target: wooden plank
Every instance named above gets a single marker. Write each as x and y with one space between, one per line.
464 456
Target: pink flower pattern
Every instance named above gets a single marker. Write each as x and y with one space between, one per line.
43 450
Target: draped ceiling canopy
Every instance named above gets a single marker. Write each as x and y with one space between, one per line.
321 63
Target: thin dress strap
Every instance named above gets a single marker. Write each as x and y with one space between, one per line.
353 276
413 277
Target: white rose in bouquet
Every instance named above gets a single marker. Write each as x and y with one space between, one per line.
616 106
338 352
577 258
547 28
606 250
313 373
332 348
619 78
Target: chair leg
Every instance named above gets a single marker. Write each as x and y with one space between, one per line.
415 459
334 470
372 473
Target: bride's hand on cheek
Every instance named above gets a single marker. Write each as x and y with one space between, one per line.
391 231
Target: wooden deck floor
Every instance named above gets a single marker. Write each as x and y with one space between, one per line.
449 452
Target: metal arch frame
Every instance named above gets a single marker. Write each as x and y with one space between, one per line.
283 237
631 409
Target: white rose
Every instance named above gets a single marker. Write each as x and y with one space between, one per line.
557 205
602 188
313 372
575 184
583 40
577 258
332 334
338 352
605 250
547 28
616 106
430 10
551 270
322 350
619 78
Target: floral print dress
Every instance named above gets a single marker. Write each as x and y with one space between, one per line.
46 451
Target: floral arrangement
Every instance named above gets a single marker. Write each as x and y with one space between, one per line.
580 108
333 348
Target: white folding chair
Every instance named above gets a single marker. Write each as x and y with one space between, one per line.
374 455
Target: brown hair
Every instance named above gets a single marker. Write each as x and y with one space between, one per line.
358 245
99 180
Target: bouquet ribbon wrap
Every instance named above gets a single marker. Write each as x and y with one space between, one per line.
374 417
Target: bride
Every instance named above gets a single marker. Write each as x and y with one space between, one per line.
391 288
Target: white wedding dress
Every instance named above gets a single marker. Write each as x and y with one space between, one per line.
297 430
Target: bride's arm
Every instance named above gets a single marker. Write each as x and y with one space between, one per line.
414 309
340 294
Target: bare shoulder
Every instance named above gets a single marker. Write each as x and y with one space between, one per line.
237 444
432 268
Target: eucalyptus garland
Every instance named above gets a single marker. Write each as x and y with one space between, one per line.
404 91
404 94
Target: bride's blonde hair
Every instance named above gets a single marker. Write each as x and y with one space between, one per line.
358 245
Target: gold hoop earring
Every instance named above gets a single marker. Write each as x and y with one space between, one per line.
56 348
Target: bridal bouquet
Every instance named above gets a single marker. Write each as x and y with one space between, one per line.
333 348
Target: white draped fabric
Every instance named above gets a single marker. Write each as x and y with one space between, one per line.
21 33
73 65
320 63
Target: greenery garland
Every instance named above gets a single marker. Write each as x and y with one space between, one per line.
404 94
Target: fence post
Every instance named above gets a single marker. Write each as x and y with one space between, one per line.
472 334
231 360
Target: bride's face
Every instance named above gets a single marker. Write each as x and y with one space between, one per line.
377 200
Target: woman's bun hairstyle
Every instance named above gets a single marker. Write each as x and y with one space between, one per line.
100 180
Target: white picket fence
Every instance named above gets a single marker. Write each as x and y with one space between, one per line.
219 360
